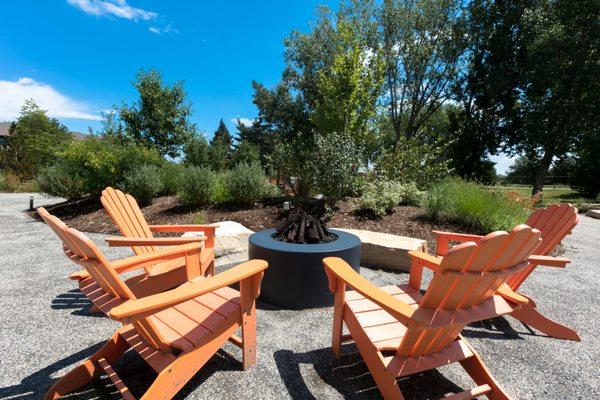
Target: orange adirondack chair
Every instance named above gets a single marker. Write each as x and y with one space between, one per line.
176 332
555 223
141 284
126 214
400 332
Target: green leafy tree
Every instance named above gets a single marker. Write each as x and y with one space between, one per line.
422 47
534 76
246 152
196 151
33 142
160 118
522 171
587 166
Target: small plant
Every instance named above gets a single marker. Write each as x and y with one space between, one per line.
196 185
474 207
143 183
246 184
220 194
57 181
2 182
380 197
199 218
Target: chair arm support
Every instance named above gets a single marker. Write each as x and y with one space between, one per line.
549 261
118 241
505 291
209 229
133 310
149 259
427 260
336 268
443 238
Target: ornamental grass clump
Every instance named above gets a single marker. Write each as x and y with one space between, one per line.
474 207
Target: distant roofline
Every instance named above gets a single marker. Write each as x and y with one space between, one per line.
5 127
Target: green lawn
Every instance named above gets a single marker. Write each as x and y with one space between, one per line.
551 194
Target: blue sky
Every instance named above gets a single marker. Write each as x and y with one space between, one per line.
77 58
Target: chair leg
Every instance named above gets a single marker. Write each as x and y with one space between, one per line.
83 373
531 316
481 375
338 318
248 318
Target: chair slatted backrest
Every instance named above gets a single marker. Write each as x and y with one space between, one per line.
126 214
468 276
81 250
555 222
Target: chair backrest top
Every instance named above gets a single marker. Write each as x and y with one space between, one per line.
81 250
555 222
469 275
127 215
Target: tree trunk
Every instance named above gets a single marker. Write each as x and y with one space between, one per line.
542 170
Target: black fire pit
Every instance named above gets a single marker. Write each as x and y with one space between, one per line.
295 278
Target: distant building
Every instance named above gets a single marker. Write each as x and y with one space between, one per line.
5 127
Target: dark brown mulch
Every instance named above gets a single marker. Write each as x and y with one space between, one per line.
88 215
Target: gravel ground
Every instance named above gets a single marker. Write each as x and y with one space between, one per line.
46 329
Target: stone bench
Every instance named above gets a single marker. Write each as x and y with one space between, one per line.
384 250
593 214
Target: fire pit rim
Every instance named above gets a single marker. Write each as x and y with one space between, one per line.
344 241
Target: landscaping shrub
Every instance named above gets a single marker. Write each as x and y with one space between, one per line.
246 184
473 206
380 196
3 185
169 176
196 185
59 181
143 183
99 163
220 194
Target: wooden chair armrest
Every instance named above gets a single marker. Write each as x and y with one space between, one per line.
505 291
443 238
209 229
336 268
549 261
427 260
146 260
120 241
79 275
133 310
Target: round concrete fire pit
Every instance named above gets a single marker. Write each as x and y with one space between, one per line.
295 278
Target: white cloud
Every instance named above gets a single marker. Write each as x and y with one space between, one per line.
115 8
245 121
14 93
167 29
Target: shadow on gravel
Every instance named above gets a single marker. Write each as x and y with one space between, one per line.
76 300
35 385
494 328
134 371
350 376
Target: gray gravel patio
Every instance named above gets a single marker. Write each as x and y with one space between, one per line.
46 329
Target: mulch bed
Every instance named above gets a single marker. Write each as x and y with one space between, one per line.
88 215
